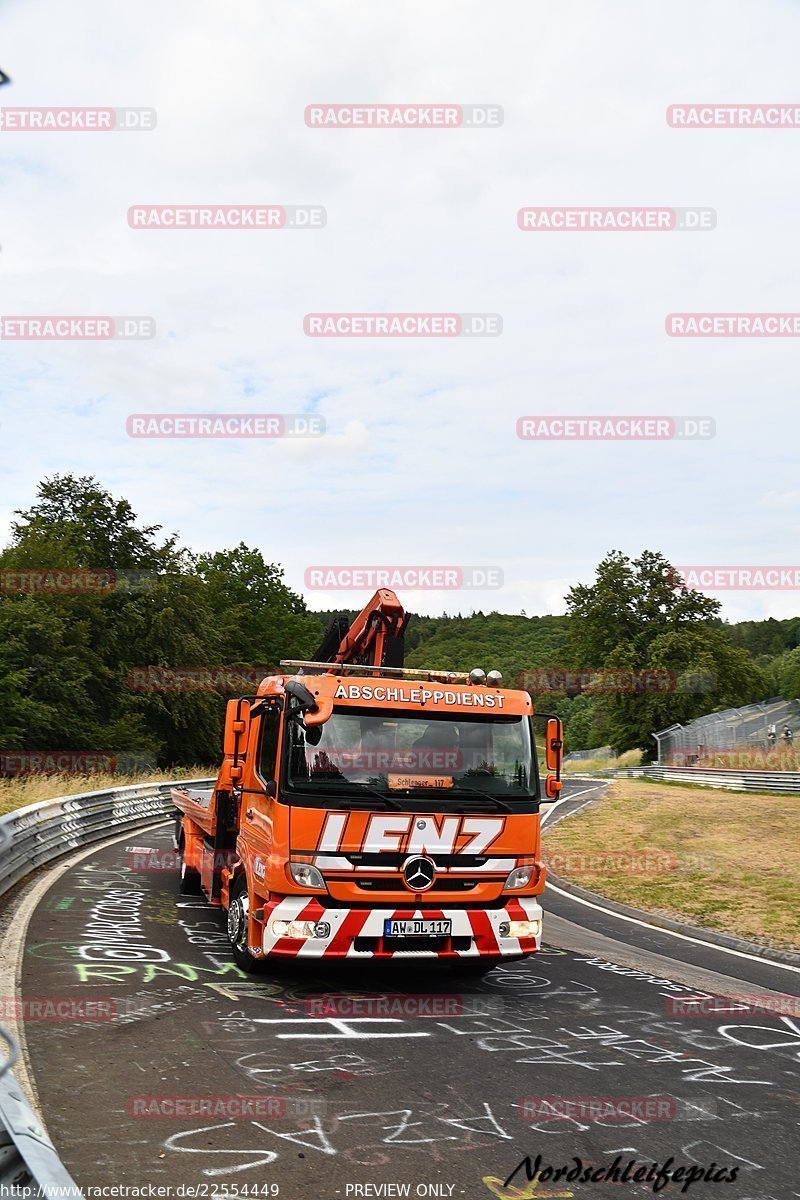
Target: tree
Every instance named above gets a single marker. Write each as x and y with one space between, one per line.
787 670
67 659
263 620
659 654
76 523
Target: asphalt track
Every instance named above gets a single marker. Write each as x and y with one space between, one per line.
444 1092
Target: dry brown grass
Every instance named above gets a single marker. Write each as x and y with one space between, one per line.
631 758
731 860
32 789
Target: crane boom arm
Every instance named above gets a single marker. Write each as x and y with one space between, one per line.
375 637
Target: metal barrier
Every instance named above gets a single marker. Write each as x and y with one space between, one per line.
781 782
29 838
41 833
28 1158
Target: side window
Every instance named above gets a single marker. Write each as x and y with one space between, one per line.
270 725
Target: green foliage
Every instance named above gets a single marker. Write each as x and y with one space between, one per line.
66 659
496 641
768 638
631 619
787 674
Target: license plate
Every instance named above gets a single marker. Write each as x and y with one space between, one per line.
417 928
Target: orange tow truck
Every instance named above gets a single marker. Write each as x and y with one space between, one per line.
365 810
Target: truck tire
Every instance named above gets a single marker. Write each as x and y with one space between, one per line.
189 882
238 914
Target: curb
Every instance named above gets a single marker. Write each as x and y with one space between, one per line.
695 931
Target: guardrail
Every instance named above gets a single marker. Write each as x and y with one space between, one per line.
41 833
28 1159
29 838
781 782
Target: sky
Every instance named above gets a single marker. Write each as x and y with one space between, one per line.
421 463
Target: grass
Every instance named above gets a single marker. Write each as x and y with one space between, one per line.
631 758
32 789
728 861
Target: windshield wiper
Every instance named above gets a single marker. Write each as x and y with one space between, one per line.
501 804
389 801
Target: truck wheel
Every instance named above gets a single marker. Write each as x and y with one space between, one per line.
189 884
238 914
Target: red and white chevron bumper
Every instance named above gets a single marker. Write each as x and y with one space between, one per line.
301 927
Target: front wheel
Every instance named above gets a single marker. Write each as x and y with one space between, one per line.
238 922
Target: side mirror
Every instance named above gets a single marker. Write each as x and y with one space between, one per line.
553 754
301 700
237 733
554 745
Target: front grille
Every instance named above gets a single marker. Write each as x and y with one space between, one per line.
390 945
416 943
396 885
385 858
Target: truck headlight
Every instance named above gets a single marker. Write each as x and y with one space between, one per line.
306 876
520 929
520 877
300 929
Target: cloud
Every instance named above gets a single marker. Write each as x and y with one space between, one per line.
422 463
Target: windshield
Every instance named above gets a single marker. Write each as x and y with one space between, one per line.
360 751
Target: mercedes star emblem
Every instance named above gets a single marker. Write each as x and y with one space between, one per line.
419 873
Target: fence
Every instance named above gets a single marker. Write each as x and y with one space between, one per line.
717 739
30 838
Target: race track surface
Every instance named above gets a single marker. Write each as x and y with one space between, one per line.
410 1076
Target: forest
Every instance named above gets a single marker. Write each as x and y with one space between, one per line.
114 637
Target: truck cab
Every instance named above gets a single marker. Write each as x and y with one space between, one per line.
374 812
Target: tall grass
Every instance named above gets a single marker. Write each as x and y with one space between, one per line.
22 790
631 758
